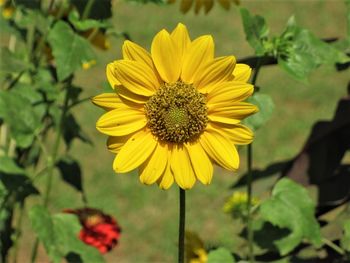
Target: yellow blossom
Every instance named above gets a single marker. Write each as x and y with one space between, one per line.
88 64
237 203
175 111
7 12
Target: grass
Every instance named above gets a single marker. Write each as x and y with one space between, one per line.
148 215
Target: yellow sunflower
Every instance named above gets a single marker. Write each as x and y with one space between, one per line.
175 111
186 5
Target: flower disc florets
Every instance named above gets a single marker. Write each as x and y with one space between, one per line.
177 112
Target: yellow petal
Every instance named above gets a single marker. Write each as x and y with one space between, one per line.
107 101
122 121
181 167
115 143
167 178
112 78
185 5
135 152
165 58
215 71
132 51
237 133
130 96
136 77
199 52
224 94
201 163
242 72
181 39
220 149
154 166
223 119
231 114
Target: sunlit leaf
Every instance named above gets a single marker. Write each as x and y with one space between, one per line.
290 207
307 52
85 24
266 106
11 63
59 234
345 241
220 255
9 166
69 49
43 226
255 29
20 116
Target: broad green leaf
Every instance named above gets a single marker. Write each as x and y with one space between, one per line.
70 172
59 234
67 228
290 207
11 63
307 52
345 241
9 166
43 226
69 49
20 116
220 255
266 106
85 24
255 29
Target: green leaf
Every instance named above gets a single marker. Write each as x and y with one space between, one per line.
345 241
19 114
255 29
70 172
85 24
67 228
290 207
307 52
9 166
220 255
43 226
266 106
11 63
59 234
69 49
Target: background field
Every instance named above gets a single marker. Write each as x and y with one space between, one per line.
148 216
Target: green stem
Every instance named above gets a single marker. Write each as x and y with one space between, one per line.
333 246
182 218
250 232
51 161
87 9
18 232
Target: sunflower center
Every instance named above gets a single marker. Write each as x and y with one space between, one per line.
177 112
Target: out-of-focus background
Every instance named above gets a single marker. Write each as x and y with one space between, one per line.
148 215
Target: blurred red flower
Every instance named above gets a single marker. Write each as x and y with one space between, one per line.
99 229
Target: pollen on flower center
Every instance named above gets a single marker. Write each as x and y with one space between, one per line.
177 112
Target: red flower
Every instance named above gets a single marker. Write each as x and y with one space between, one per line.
99 230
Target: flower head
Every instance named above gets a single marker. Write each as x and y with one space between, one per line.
175 111
236 204
207 5
99 230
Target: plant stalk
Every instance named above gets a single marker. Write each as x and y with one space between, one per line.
182 219
250 232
